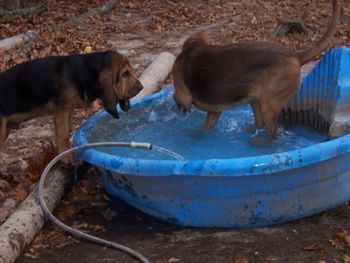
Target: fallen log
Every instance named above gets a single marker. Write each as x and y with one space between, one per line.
21 227
155 74
31 35
95 11
15 41
28 12
289 26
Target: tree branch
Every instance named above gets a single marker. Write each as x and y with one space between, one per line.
30 11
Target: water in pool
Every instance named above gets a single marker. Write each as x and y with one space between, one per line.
161 123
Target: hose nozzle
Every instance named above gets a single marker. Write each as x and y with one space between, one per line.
144 145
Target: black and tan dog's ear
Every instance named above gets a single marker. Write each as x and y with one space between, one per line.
109 98
118 64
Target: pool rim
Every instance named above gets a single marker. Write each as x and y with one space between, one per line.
239 166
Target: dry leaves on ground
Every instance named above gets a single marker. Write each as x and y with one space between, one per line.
20 194
345 236
336 244
241 260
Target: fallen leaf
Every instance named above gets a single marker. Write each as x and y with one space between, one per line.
271 258
346 259
66 212
109 214
4 184
173 260
33 176
254 20
90 227
96 228
20 194
335 243
31 256
312 247
63 244
4 213
38 162
345 236
241 260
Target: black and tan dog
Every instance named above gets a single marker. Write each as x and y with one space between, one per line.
57 85
264 74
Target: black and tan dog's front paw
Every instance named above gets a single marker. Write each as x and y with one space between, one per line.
68 160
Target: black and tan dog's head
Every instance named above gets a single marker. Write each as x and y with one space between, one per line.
119 84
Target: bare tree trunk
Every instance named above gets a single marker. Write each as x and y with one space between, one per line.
12 4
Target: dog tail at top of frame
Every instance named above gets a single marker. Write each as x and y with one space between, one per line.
306 55
197 39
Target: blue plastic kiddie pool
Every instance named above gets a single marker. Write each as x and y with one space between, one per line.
224 180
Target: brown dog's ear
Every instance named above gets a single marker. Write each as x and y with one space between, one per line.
109 97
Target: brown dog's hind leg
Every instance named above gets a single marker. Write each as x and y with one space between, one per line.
182 95
278 91
259 121
272 109
212 118
270 120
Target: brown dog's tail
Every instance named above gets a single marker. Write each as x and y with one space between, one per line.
200 38
306 55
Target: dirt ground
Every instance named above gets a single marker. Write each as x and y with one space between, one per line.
315 239
141 30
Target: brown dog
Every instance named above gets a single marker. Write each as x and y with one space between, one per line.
57 85
264 74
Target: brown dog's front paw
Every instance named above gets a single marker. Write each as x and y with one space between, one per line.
182 108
